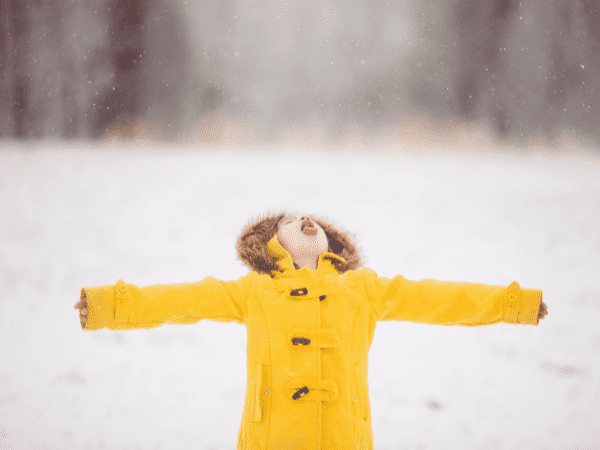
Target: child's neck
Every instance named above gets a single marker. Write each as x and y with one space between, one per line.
310 261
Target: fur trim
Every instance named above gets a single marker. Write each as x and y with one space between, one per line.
252 244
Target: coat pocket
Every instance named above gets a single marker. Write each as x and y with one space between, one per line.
359 394
258 382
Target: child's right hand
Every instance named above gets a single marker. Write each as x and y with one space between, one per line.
82 306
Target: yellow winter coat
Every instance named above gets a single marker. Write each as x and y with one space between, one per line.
309 333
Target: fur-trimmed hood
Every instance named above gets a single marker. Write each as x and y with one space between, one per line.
252 245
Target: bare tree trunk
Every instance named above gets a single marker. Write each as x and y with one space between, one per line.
86 34
125 54
7 65
14 93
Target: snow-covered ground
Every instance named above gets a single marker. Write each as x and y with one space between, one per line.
73 217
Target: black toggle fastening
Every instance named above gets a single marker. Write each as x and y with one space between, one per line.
322 297
300 392
300 341
298 292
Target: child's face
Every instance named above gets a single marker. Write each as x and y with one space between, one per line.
301 236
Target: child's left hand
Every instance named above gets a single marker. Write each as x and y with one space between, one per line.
543 311
82 306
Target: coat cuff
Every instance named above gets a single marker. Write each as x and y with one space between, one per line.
101 306
522 306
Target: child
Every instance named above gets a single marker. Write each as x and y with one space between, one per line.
310 313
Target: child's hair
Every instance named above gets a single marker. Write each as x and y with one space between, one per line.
252 244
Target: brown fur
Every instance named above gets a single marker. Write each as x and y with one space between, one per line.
252 244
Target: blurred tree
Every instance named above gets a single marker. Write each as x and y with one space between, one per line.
482 28
125 55
573 84
15 25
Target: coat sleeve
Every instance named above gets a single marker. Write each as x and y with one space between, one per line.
124 306
448 303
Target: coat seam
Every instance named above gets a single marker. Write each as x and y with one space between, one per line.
354 429
270 367
364 286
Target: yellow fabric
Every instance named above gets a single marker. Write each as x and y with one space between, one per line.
285 261
257 394
307 385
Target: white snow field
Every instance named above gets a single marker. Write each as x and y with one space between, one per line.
73 215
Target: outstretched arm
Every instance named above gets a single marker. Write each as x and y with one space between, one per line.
449 303
124 306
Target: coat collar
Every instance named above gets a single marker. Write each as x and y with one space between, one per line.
286 264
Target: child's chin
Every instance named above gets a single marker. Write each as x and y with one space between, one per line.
312 248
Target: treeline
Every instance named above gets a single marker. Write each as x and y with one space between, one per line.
71 69
74 69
